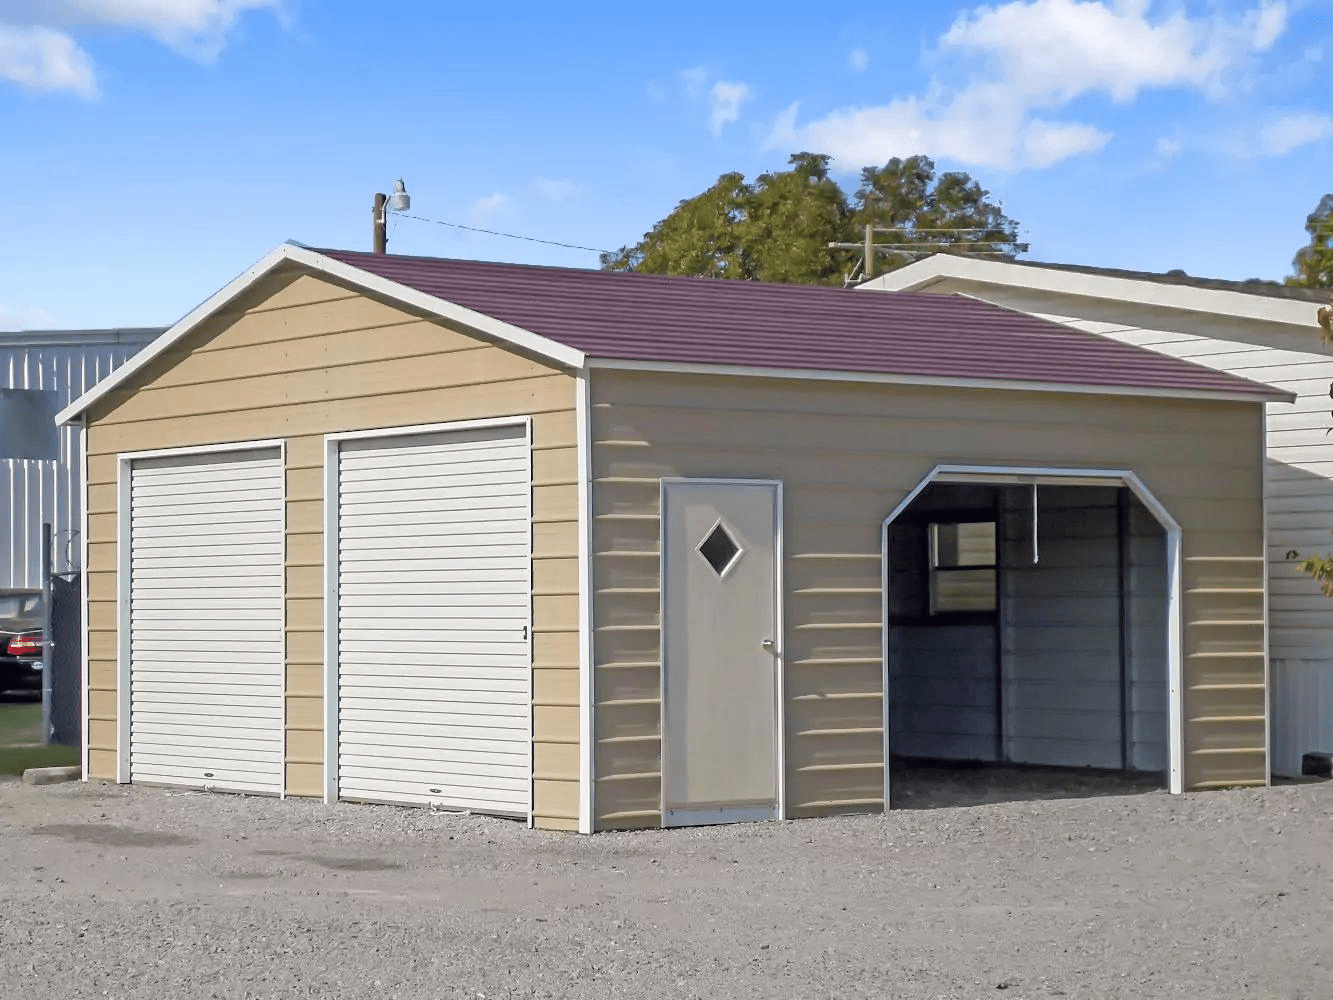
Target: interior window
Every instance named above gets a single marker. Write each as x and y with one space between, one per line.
962 567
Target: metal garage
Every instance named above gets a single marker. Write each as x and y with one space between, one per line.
608 551
202 607
429 687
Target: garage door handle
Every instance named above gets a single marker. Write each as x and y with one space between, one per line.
767 644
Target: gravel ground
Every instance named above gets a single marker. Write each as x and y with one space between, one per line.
138 892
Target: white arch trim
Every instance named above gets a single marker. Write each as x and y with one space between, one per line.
1005 475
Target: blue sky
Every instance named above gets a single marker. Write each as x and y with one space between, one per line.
153 149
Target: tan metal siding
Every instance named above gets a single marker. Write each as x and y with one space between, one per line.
848 453
302 357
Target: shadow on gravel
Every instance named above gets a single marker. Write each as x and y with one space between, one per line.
113 836
930 784
353 864
335 863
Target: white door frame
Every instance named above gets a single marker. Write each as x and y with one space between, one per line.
1003 475
124 468
332 442
779 653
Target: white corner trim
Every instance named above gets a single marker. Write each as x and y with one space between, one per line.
1259 395
1268 678
922 274
84 657
124 468
330 615
354 276
286 644
1039 475
587 597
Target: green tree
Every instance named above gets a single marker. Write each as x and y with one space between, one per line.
1313 263
779 227
702 237
791 216
951 214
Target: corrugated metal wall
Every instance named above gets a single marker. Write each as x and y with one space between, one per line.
1065 700
1062 694
33 492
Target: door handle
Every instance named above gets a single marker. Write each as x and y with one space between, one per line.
767 644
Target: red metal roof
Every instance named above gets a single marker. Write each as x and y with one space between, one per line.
641 317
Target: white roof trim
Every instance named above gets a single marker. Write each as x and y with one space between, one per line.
504 332
921 274
1259 395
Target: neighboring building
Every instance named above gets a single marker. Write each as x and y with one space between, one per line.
1259 330
604 550
49 369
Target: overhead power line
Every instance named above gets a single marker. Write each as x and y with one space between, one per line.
495 232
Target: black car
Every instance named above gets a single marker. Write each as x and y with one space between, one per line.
21 614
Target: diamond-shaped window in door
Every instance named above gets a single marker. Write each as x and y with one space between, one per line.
719 549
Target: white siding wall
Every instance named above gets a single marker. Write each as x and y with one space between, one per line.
33 492
1300 476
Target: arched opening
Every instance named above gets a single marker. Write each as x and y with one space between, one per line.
1031 637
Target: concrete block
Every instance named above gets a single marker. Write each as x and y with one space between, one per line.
51 775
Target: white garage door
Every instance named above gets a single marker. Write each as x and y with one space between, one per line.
206 623
434 557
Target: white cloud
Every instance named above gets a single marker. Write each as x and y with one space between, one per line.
1061 49
972 130
726 99
555 190
199 27
483 208
1044 144
860 59
1290 132
1004 68
1168 148
38 38
24 319
41 60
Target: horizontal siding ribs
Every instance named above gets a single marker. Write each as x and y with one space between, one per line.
388 396
847 454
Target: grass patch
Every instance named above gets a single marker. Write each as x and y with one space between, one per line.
21 740
20 723
16 760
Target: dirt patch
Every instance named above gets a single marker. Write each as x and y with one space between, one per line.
113 836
